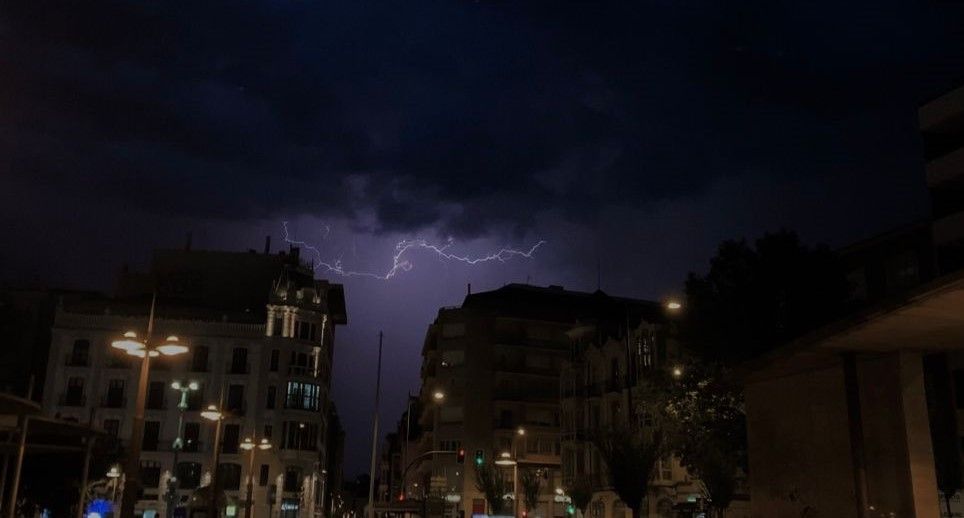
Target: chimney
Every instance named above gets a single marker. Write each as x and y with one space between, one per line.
187 242
469 288
267 244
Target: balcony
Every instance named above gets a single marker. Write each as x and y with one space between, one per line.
301 370
237 368
72 399
113 401
77 360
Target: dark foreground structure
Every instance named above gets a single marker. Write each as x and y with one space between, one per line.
843 422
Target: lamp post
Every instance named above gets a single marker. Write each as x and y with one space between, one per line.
141 349
250 446
178 445
506 459
114 474
214 413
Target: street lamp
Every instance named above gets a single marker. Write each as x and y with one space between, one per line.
250 446
439 396
506 459
173 482
213 413
114 474
130 343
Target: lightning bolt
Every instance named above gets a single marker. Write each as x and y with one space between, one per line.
400 263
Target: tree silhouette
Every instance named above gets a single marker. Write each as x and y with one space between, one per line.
530 483
580 491
756 298
490 480
630 455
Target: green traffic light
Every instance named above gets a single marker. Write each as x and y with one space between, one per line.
571 509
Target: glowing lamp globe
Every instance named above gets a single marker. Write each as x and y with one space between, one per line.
212 413
171 347
128 343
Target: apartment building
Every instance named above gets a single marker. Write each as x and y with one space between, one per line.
260 331
942 129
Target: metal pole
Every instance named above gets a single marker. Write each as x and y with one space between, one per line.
133 468
371 475
12 504
213 507
173 482
408 434
3 479
247 499
83 476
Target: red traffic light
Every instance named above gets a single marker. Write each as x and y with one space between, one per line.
460 456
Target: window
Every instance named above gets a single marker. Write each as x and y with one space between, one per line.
453 330
263 475
150 474
450 414
230 475
192 435
152 435
74 396
232 438
450 445
267 431
195 398
292 479
112 427
273 362
155 395
115 394
303 396
271 397
236 399
453 358
80 353
239 360
278 327
298 364
299 436
189 475
199 362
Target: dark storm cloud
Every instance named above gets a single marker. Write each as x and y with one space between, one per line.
462 115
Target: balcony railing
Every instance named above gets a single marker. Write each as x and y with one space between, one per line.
112 401
77 360
237 368
68 399
300 370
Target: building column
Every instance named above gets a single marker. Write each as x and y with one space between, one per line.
920 454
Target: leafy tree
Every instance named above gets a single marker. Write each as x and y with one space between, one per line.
531 484
630 454
490 480
580 491
755 298
709 429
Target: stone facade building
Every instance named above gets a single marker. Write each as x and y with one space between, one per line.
261 334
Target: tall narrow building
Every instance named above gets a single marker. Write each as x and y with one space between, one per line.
260 331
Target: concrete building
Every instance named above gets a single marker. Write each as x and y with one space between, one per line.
840 422
942 128
261 334
490 371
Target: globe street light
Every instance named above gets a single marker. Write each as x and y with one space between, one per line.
141 349
173 482
250 446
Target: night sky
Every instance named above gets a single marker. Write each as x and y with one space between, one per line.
634 136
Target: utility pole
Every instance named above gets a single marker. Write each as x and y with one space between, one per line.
371 472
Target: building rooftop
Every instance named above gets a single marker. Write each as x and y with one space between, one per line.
556 304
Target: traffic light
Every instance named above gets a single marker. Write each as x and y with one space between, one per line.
570 509
460 456
479 457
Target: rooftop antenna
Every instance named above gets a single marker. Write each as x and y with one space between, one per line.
267 244
469 289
